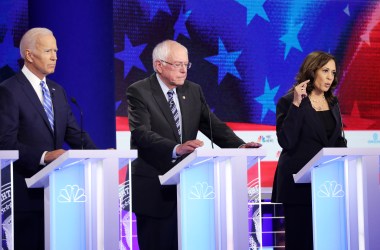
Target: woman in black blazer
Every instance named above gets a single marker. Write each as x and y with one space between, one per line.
307 119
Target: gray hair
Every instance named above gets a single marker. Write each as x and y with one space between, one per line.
28 40
162 51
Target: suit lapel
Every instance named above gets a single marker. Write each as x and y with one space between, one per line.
33 98
181 92
162 103
337 131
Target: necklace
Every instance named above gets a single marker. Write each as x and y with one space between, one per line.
318 104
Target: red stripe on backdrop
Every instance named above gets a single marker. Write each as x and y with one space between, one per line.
122 125
267 170
122 174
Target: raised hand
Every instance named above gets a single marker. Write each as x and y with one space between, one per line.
300 93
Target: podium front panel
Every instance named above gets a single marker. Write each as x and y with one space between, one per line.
346 197
68 197
329 206
197 208
213 206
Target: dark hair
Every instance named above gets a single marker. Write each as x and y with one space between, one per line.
313 62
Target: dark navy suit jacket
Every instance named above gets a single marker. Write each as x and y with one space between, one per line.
24 126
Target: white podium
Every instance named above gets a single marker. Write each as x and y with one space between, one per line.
345 196
212 197
7 157
82 198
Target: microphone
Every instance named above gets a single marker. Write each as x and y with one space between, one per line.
341 120
74 101
209 119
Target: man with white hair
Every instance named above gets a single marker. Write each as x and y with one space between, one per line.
165 112
36 120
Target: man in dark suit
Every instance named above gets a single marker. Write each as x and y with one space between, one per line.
164 128
39 135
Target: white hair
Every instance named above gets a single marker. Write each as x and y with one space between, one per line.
28 40
162 51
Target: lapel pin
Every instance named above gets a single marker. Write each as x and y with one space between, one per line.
183 97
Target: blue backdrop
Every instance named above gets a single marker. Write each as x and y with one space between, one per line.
84 33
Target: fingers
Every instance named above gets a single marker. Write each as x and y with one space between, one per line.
303 86
304 83
300 92
189 146
52 155
252 145
194 143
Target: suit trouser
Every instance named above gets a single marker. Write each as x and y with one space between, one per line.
157 233
29 230
298 227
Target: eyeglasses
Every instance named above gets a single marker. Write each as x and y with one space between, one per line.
178 65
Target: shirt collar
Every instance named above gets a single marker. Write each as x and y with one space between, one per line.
163 86
32 78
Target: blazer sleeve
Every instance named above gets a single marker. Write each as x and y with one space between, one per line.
29 155
288 122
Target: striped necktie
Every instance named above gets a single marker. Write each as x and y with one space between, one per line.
174 110
47 103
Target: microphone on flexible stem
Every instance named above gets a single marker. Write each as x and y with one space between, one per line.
74 101
209 119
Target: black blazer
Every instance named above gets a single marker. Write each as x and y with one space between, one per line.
301 134
154 135
24 126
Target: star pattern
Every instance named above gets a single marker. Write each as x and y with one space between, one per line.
254 7
254 40
267 99
9 54
225 61
355 119
347 10
180 25
291 39
372 22
153 7
131 56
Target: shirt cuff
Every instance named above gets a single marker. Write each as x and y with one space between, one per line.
42 161
174 153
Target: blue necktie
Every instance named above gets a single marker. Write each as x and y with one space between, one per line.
174 110
47 103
